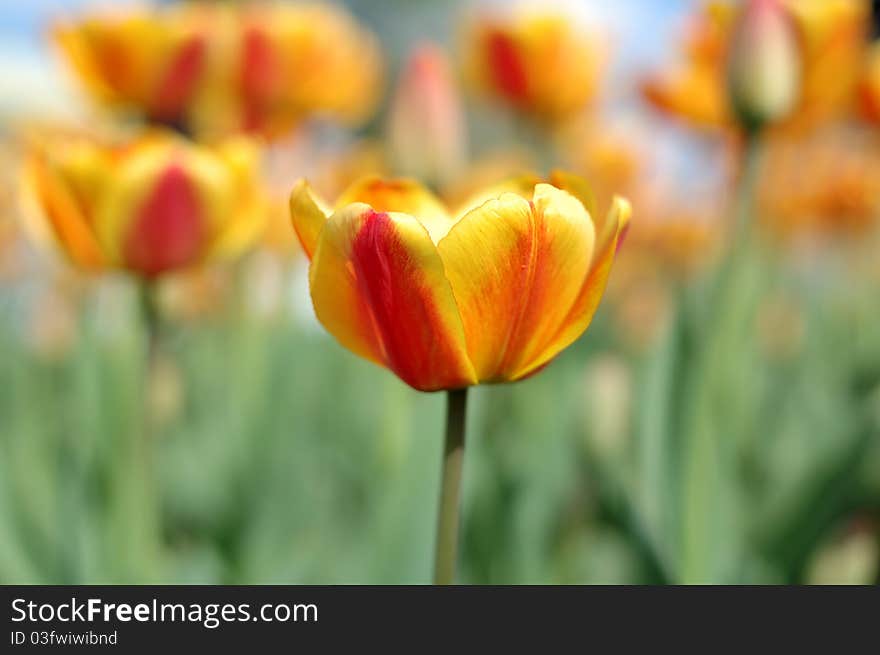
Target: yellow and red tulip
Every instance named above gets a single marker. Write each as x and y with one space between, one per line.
831 40
541 65
152 205
152 63
216 69
489 294
280 63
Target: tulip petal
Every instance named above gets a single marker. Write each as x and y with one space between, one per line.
179 82
516 268
168 198
246 222
68 223
167 232
610 231
576 186
308 215
378 286
403 195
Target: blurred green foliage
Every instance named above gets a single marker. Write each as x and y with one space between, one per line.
697 459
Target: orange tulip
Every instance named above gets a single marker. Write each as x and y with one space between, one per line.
217 69
538 64
831 35
489 294
153 205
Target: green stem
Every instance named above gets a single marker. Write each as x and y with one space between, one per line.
718 403
144 442
153 333
447 518
745 197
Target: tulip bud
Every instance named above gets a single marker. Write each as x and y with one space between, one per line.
426 130
764 67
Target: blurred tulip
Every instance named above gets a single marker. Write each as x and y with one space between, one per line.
427 128
147 62
763 65
539 64
490 295
869 86
826 182
279 63
831 41
152 205
216 69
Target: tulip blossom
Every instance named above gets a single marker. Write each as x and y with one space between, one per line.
147 62
491 293
829 36
539 64
427 126
216 69
153 205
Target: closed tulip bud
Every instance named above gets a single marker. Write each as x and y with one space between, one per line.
426 130
764 67
152 205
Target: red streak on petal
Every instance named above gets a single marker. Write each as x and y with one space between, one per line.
167 231
180 79
259 76
402 309
506 66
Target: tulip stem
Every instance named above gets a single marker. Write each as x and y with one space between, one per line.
144 443
450 486
152 322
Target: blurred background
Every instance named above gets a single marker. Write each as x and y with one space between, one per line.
690 436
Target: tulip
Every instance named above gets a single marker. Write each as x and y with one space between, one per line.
764 64
150 206
426 127
826 39
490 296
540 65
150 63
491 293
280 63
